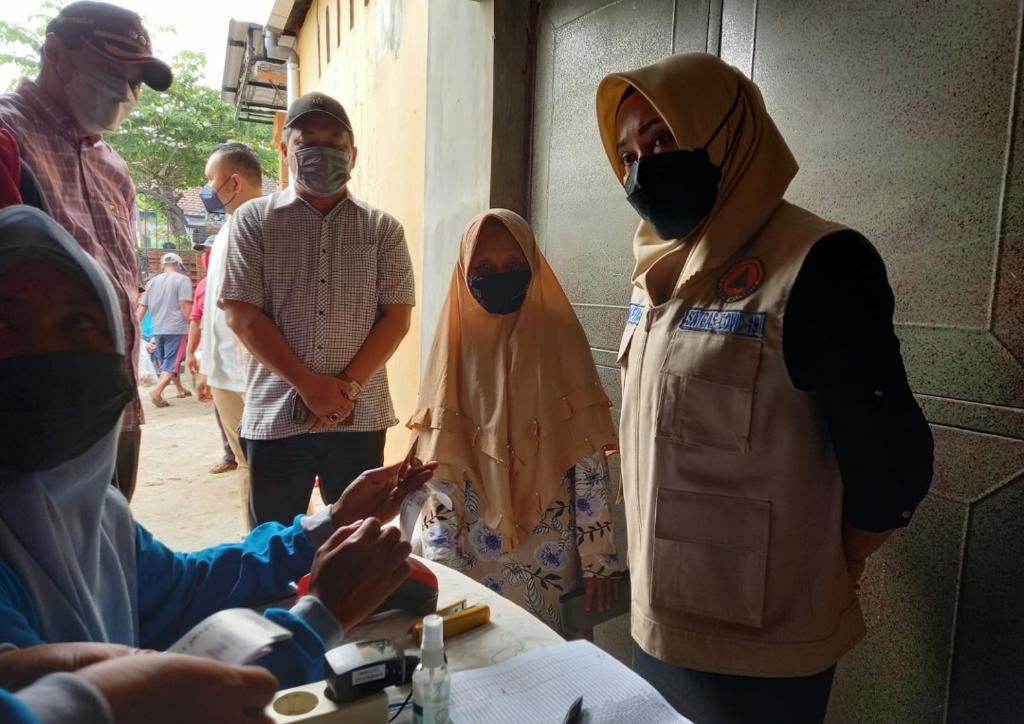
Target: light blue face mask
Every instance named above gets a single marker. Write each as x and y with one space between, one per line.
100 102
321 170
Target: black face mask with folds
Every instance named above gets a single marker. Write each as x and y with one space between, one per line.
674 191
56 405
500 293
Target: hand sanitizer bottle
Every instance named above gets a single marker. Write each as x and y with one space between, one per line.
430 680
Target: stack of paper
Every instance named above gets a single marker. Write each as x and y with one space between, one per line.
539 687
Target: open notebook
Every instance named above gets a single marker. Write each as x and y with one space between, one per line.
538 687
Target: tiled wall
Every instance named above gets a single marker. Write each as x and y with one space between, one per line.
905 118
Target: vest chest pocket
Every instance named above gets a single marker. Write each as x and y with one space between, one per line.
706 390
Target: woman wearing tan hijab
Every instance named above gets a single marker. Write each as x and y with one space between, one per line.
512 409
760 466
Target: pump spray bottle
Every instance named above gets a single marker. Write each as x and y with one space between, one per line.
430 683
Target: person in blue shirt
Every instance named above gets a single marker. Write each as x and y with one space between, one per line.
74 565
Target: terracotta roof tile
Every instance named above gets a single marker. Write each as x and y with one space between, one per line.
191 204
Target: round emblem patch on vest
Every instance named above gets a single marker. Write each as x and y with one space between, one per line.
741 280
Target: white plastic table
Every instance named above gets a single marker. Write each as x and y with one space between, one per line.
512 631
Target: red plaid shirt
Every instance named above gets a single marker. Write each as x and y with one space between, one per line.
90 193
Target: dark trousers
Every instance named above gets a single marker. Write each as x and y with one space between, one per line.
126 466
229 454
281 471
708 698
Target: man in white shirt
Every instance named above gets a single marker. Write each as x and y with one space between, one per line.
234 176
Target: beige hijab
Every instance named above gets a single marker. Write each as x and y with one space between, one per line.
510 401
693 92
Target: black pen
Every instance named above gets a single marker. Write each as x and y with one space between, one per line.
573 716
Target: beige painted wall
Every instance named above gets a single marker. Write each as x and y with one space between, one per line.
378 70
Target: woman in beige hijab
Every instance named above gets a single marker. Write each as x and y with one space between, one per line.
512 409
760 468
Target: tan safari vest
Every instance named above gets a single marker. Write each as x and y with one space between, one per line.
732 492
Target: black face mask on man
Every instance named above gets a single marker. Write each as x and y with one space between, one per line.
500 293
674 191
85 393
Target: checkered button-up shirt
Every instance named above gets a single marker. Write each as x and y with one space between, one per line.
91 195
321 279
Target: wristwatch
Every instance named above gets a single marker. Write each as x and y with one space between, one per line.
354 387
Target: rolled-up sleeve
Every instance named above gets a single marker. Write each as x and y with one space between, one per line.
395 283
840 343
243 269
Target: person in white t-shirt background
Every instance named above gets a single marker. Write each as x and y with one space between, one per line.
234 176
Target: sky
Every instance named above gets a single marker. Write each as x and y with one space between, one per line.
200 24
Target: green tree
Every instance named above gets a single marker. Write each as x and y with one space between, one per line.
20 45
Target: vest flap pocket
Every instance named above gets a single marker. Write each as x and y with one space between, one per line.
711 556
707 390
721 358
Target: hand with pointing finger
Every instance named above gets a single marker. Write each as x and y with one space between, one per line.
379 493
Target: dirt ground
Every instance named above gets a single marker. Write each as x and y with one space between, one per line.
176 497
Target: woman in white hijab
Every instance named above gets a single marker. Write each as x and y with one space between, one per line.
74 566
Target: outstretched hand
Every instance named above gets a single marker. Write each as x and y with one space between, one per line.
379 493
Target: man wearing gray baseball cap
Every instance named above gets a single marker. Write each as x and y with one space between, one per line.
168 297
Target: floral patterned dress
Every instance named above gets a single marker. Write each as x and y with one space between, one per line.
573 538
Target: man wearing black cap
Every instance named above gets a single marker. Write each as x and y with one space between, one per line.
319 287
95 58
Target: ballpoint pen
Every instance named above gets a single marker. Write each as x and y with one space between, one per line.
573 715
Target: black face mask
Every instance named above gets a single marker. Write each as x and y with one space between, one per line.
55 406
674 191
500 293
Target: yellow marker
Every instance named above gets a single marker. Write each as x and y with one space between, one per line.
458 619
